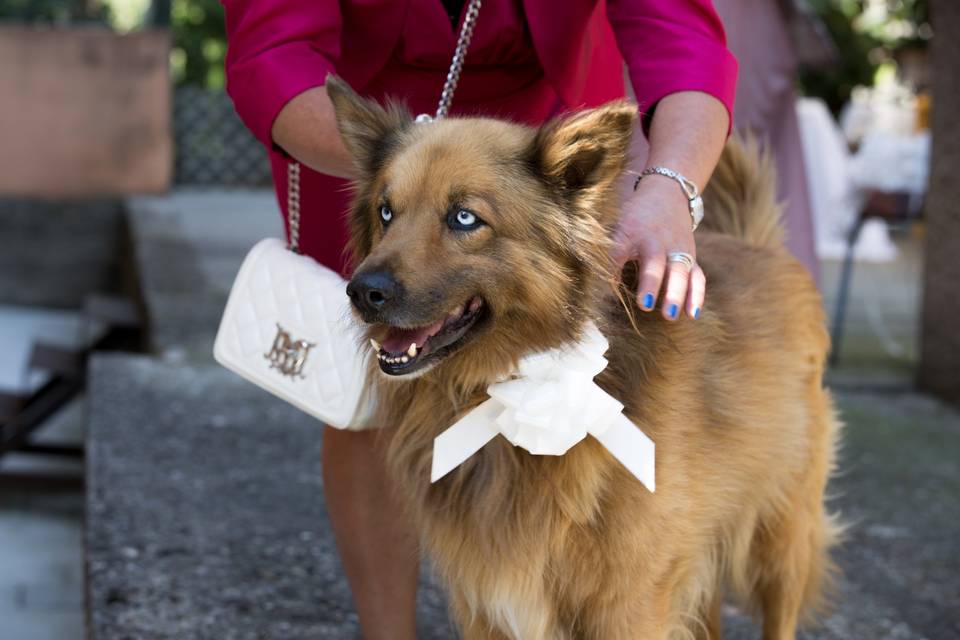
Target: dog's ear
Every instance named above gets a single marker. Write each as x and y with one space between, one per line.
583 154
368 130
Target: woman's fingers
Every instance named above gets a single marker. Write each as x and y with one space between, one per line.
654 230
696 292
650 280
678 278
683 290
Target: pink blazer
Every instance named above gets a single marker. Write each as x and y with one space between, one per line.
280 48
531 60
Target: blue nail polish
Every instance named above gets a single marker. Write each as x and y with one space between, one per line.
672 311
648 301
696 313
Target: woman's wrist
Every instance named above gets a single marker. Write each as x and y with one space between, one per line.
689 190
687 134
662 190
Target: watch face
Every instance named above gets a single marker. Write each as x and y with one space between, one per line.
696 209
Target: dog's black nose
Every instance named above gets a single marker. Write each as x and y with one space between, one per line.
371 292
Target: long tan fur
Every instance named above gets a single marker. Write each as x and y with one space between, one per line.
742 195
574 547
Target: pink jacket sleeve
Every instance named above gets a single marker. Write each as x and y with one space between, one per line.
276 50
671 46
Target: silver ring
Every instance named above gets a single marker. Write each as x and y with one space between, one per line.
683 258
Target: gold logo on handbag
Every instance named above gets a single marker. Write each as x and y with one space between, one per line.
288 355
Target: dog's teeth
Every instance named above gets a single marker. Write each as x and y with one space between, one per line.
375 345
404 359
474 304
412 351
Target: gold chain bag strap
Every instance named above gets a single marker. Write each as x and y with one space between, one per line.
288 327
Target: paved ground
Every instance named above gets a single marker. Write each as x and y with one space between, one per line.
881 331
898 487
205 516
41 582
219 530
41 555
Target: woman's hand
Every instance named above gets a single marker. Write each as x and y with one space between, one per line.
687 134
655 222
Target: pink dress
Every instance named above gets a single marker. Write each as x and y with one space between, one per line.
529 60
759 33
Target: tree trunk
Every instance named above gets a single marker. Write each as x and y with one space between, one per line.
939 369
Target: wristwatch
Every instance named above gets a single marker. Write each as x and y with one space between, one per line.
694 201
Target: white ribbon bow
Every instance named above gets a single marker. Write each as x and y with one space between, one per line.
548 406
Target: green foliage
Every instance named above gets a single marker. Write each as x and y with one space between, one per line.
865 39
907 23
199 43
854 67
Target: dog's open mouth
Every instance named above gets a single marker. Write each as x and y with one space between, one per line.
403 350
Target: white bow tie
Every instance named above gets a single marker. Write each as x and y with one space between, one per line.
550 404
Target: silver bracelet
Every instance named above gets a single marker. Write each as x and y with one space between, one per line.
694 201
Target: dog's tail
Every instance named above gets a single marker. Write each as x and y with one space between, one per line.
741 199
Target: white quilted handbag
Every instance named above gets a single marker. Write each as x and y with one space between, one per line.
288 328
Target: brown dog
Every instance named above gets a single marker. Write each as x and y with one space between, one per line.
481 241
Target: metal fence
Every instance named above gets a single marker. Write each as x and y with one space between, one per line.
213 147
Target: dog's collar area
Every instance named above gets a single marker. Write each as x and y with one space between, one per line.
547 407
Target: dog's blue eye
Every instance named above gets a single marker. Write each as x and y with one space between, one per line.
386 215
463 220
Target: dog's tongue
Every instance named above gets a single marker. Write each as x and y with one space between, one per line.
399 340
